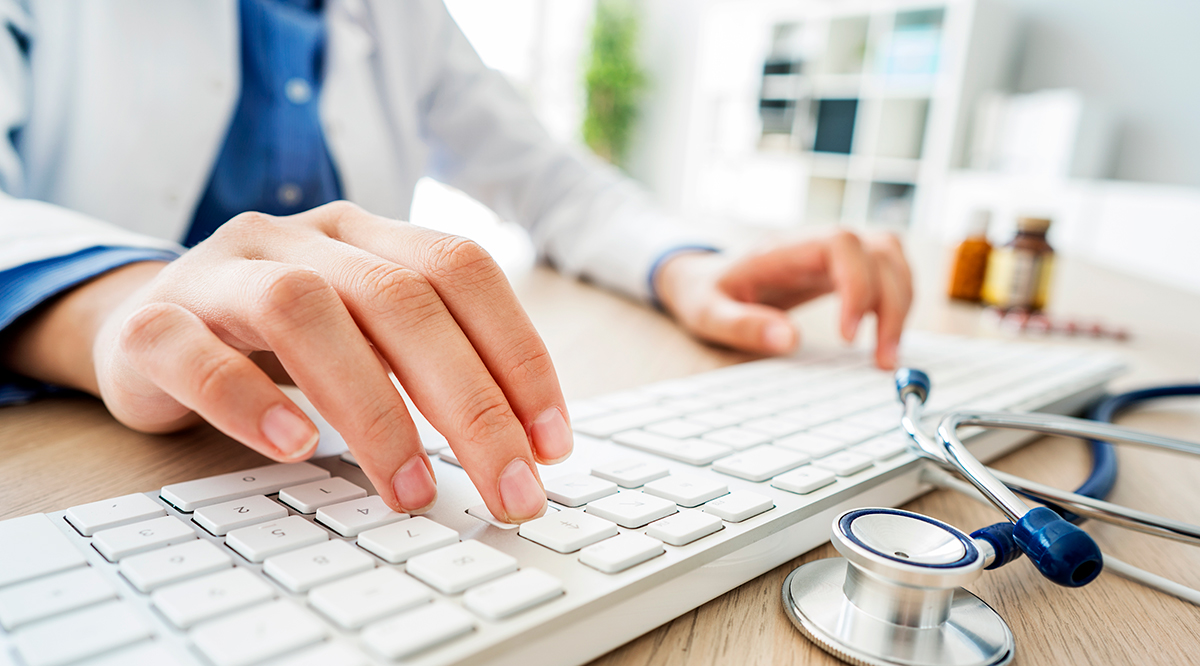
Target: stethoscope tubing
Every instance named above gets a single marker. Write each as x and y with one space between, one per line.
1002 488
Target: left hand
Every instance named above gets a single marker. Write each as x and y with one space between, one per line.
741 301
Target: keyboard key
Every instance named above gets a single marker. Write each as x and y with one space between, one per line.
691 451
259 633
186 604
621 552
685 527
366 597
513 593
678 428
350 518
452 569
632 509
417 630
34 546
96 516
127 540
308 497
611 424
46 597
760 463
774 426
804 480
882 448
304 569
750 409
326 654
844 463
481 512
578 489
397 542
737 438
717 418
814 446
258 542
739 505
220 519
266 480
845 431
152 570
568 530
630 473
142 654
81 634
685 490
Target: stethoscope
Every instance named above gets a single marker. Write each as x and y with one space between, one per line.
896 595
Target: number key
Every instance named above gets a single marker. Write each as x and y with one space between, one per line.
258 542
222 518
349 519
301 570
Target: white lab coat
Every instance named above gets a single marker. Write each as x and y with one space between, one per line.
121 106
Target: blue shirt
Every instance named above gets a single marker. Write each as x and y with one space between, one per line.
274 160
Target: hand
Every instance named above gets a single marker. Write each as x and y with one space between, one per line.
340 297
740 302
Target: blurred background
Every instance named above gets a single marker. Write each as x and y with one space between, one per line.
761 117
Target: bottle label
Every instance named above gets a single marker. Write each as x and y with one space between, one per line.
1017 279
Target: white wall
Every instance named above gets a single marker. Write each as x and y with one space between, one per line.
1141 59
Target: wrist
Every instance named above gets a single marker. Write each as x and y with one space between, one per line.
674 271
55 344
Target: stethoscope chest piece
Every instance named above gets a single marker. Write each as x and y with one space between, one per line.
896 599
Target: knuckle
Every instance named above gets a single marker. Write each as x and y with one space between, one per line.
392 289
530 366
214 374
487 416
293 294
460 258
145 329
847 238
250 222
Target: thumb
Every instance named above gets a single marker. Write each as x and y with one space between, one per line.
748 326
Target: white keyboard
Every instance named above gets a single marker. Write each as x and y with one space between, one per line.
677 492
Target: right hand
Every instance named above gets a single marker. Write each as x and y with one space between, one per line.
341 297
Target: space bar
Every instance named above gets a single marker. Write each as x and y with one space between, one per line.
192 495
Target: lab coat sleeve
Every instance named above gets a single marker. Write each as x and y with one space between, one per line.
584 216
33 230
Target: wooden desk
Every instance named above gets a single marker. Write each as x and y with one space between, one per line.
58 453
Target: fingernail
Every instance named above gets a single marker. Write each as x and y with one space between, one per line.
778 336
520 492
292 435
887 357
415 489
551 437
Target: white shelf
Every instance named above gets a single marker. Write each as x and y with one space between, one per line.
911 68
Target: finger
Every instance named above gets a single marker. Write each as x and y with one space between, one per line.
399 311
851 272
480 299
750 326
294 312
895 299
178 353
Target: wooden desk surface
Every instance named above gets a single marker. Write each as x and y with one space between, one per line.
58 453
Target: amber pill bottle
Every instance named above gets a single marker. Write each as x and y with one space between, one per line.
1018 274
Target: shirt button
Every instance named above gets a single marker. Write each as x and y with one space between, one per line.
289 194
298 91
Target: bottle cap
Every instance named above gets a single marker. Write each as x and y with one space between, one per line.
1033 225
978 224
